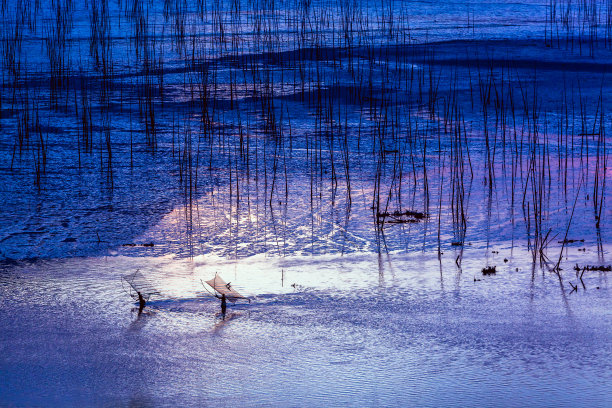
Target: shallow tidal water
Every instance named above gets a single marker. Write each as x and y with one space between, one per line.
263 141
324 330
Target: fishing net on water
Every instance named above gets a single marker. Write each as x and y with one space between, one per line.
137 283
224 288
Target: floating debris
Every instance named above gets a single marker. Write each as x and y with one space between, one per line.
400 217
489 270
570 241
150 244
600 268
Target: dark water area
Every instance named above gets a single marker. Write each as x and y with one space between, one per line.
354 166
137 108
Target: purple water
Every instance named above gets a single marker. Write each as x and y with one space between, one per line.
278 144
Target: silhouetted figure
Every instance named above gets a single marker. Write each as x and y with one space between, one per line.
141 302
223 304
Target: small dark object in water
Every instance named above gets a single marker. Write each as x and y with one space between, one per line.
458 243
477 280
150 244
600 268
489 270
505 260
415 214
129 245
570 241
495 252
223 304
402 221
399 217
69 240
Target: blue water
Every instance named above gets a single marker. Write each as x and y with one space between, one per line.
261 145
342 331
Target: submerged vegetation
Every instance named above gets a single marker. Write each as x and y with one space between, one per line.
315 116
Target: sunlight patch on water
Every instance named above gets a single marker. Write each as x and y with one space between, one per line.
352 329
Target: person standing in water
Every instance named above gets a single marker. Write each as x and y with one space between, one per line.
223 303
141 302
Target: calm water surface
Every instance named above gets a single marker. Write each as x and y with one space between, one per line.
355 330
159 130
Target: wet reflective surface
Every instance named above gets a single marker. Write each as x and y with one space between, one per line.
350 166
357 330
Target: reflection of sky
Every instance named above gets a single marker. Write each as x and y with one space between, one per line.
437 336
316 218
411 21
76 212
342 313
